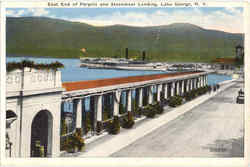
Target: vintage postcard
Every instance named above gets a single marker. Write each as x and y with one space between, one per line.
109 82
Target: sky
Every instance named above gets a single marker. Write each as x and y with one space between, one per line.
227 19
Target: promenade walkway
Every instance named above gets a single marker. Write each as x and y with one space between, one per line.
212 129
172 133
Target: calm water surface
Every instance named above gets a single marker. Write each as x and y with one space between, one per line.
72 71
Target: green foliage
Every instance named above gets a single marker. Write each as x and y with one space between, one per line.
87 122
190 95
64 127
42 151
107 114
11 66
196 92
175 101
79 132
75 142
159 108
152 109
149 111
129 121
133 104
45 37
202 90
38 150
138 111
114 126
164 101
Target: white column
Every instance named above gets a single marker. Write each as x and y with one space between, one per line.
187 86
140 97
129 107
166 91
191 84
205 80
99 108
199 82
150 95
178 88
78 113
172 88
182 87
117 97
202 81
159 88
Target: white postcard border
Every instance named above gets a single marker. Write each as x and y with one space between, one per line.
122 162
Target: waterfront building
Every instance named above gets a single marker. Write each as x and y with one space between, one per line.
230 63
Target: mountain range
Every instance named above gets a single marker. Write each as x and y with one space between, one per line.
48 37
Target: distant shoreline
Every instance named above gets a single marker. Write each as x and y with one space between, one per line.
51 57
48 57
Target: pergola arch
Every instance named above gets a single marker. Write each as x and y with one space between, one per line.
41 134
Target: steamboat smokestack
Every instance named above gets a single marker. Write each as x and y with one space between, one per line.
126 53
143 55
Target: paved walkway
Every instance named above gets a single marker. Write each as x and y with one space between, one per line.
213 129
171 133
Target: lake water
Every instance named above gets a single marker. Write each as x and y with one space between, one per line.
72 71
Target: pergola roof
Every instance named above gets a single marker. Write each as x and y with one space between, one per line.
80 85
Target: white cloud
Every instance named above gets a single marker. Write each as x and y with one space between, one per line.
233 11
38 11
10 12
13 13
20 12
229 20
28 12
